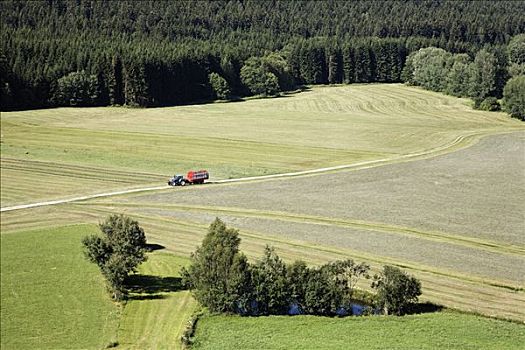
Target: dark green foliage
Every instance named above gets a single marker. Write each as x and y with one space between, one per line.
516 55
270 284
490 104
322 295
514 97
430 67
220 86
76 89
297 275
219 274
223 280
118 252
482 80
458 76
162 52
516 49
255 75
335 67
396 290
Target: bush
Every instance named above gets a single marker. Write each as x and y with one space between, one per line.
258 76
270 286
220 86
396 290
76 89
514 97
490 104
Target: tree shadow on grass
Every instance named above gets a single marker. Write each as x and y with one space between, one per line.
148 284
154 246
423 308
145 296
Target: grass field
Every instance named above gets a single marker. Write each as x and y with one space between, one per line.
52 298
56 153
158 311
445 330
455 221
444 219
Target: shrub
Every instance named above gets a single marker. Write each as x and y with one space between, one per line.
490 104
396 290
258 78
219 274
76 89
220 86
514 97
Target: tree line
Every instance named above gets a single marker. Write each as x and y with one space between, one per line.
493 73
95 53
223 280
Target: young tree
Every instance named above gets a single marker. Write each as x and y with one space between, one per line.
220 86
482 81
514 97
118 251
219 274
396 290
516 55
258 79
458 76
431 66
297 275
76 89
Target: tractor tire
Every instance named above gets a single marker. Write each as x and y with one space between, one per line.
183 183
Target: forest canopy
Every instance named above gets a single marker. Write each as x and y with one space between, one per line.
157 53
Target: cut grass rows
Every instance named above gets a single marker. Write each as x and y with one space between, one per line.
156 319
461 291
319 128
325 221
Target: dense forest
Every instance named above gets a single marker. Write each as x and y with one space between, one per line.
158 53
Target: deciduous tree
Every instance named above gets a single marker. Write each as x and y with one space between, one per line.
118 251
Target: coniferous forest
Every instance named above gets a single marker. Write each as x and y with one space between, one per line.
160 53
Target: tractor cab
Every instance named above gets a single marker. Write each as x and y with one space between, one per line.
176 180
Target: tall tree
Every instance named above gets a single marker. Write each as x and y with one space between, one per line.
118 251
219 274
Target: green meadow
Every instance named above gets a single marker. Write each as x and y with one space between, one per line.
444 330
52 298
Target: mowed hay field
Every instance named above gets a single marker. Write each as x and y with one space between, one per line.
56 153
158 310
455 220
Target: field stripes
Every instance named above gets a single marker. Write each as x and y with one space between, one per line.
456 239
446 287
156 319
460 140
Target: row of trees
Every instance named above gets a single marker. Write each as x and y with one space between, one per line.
223 280
484 78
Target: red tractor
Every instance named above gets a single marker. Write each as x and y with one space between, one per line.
192 178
